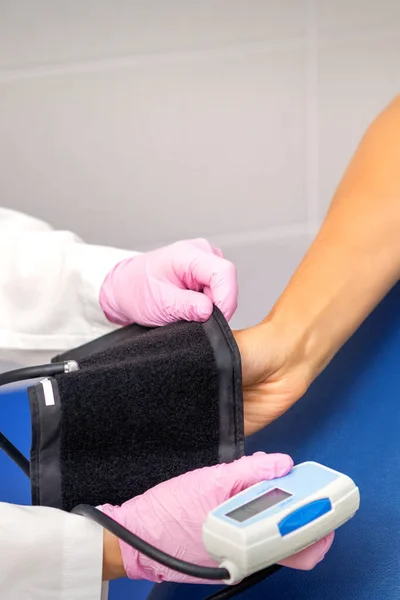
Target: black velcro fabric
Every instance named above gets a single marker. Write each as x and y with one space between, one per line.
145 408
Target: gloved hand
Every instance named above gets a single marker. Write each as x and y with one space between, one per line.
170 516
178 282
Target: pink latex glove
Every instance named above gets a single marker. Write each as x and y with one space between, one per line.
170 516
178 282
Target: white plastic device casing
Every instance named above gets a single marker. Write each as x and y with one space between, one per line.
285 528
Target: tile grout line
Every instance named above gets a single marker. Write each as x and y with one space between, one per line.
312 117
244 238
161 57
9 74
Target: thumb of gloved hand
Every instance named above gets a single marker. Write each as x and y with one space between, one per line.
170 516
179 282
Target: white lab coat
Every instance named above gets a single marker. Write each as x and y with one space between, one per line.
49 289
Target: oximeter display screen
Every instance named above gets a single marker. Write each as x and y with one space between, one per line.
254 507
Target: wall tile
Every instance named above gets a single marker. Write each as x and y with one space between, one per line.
356 81
343 17
264 269
44 31
160 151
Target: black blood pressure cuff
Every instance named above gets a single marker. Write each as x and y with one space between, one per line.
145 405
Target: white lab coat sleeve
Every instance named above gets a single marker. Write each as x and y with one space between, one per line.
49 285
48 554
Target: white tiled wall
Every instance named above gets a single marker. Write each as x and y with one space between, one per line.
136 123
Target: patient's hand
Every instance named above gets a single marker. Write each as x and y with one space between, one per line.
275 374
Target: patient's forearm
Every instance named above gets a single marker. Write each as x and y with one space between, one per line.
355 259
